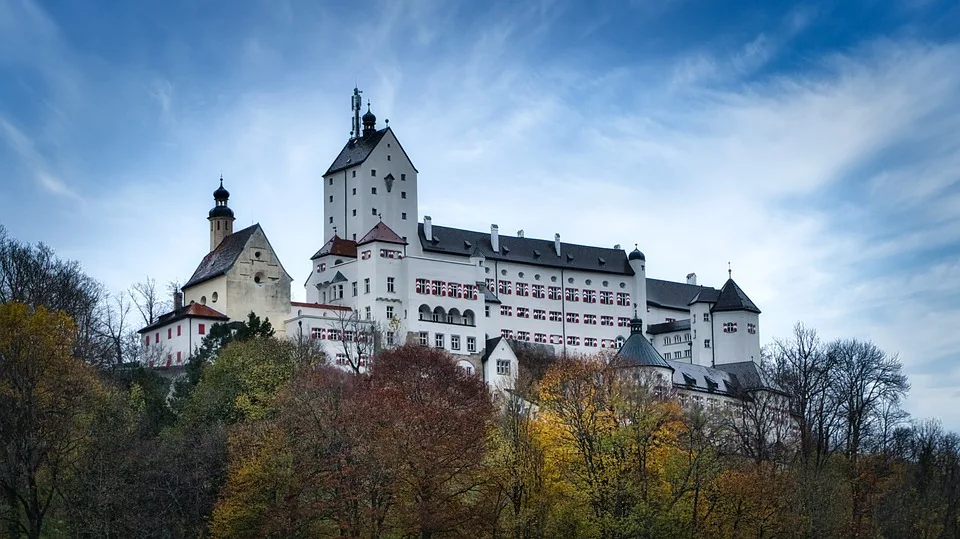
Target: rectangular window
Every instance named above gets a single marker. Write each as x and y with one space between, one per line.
373 190
666 340
556 339
333 334
539 314
538 291
354 191
353 173
590 341
540 337
606 298
486 311
523 312
590 319
523 289
330 180
572 294
179 358
391 337
354 213
706 317
505 287
606 320
556 316
354 284
373 211
523 336
553 292
623 321
178 329
589 296
366 285
424 339
573 318
573 341
201 329
454 342
316 333
438 340
503 367
146 341
623 299
367 313
373 172
169 333
471 344
331 198
751 328
390 285
422 286
389 312
729 327
403 216
156 338
403 177
403 194
706 343
506 310
331 220
506 333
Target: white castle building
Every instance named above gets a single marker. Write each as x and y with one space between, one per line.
472 293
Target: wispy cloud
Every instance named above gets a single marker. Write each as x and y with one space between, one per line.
34 162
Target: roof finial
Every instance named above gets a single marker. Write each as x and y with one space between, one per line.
380 215
729 271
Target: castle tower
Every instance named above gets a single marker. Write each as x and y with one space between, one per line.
638 262
371 180
220 217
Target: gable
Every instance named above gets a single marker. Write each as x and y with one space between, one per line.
218 261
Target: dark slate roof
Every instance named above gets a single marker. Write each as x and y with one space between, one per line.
668 327
732 298
638 352
194 310
705 379
220 260
337 246
381 232
356 151
672 295
707 295
750 376
488 295
456 241
490 345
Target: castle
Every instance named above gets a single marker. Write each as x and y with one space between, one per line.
382 274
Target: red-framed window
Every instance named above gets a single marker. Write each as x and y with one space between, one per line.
538 291
623 299
572 294
553 292
178 330
202 329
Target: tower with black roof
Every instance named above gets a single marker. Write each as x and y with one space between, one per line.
736 326
220 216
370 180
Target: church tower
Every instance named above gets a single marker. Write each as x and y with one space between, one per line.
221 217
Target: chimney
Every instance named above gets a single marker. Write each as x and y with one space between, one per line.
617 246
556 243
428 228
495 238
692 278
520 234
177 300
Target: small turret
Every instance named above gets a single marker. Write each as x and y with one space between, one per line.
221 216
369 122
638 263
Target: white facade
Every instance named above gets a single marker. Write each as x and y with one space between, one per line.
419 282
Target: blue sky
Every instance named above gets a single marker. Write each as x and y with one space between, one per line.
813 145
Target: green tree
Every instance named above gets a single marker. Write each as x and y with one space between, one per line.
49 400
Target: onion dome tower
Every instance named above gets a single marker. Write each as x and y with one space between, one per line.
220 217
369 122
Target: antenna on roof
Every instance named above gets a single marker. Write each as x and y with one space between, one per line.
355 104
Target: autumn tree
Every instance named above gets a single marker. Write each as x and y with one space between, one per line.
49 400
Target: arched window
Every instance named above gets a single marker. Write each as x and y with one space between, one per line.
425 312
469 318
453 316
439 315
